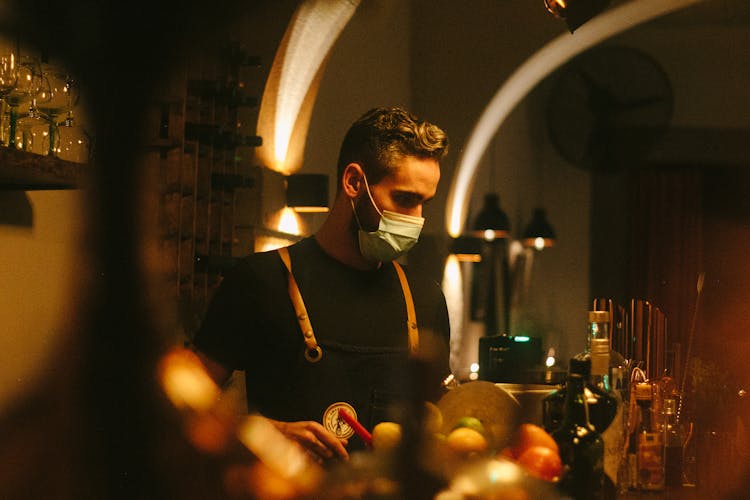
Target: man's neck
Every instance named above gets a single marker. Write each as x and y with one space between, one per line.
338 240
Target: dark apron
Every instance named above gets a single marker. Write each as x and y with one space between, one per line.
370 380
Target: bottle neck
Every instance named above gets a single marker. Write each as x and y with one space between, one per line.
600 370
596 330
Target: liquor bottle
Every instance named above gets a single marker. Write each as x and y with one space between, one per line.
673 438
603 404
230 182
650 452
223 93
581 447
607 414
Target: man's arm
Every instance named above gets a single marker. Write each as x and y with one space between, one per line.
312 436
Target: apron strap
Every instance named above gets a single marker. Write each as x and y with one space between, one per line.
411 314
313 353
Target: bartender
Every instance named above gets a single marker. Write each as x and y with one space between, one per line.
330 323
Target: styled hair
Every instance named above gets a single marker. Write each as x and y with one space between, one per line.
382 136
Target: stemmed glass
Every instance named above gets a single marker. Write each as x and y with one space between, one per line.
33 126
73 141
52 102
8 81
19 95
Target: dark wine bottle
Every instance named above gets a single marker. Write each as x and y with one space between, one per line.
223 93
230 182
581 446
219 137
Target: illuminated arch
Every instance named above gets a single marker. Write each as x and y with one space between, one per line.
527 76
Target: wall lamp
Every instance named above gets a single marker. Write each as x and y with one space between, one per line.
491 222
539 233
307 192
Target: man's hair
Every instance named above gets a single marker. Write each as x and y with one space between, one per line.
382 136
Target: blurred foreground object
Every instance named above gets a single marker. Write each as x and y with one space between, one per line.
276 468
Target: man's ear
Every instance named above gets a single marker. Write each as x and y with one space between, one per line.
352 180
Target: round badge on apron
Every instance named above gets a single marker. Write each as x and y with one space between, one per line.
334 423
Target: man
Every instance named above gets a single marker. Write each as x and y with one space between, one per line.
330 322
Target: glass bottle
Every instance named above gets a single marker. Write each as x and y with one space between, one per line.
603 405
607 414
650 452
672 445
581 447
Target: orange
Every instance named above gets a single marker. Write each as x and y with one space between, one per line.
529 435
541 462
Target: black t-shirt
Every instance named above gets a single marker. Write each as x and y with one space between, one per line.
250 325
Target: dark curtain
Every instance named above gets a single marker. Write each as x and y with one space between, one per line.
666 246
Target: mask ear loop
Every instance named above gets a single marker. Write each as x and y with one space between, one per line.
369 194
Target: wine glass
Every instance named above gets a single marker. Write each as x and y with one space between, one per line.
73 142
33 126
17 98
8 81
53 101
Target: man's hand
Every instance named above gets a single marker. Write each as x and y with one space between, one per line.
314 438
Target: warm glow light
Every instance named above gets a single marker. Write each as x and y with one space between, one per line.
311 210
186 382
541 64
453 289
539 243
550 361
289 222
291 87
489 235
474 368
278 452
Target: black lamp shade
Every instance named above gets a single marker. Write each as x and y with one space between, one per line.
491 222
539 232
307 192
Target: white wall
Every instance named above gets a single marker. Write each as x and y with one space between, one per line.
40 272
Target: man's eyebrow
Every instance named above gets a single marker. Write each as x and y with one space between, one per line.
414 196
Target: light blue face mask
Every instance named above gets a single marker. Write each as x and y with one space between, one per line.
396 234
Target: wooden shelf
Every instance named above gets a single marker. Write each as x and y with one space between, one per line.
27 171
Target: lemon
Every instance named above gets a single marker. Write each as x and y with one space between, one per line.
433 418
386 436
465 441
470 423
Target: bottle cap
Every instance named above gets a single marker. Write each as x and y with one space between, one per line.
643 391
598 316
580 365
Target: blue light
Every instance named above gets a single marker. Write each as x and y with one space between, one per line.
521 338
